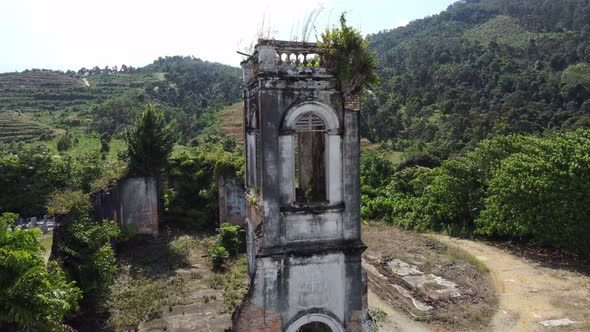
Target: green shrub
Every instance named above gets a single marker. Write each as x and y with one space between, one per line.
347 50
228 244
149 143
231 237
515 187
32 296
423 159
376 172
73 202
65 142
378 316
218 255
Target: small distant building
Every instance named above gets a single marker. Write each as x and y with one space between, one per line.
302 149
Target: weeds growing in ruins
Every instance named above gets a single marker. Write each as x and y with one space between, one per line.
233 282
378 316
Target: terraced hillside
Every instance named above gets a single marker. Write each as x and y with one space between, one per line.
56 98
44 79
16 127
188 90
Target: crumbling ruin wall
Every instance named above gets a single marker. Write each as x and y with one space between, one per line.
232 202
132 203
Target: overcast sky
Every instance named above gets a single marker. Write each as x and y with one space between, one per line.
70 34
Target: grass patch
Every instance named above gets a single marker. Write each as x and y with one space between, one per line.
396 157
459 255
234 283
46 241
135 300
184 244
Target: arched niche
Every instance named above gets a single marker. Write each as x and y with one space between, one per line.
325 122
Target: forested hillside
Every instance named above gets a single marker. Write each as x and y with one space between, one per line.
107 100
65 130
478 69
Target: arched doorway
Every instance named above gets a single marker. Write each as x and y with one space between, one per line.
315 323
315 327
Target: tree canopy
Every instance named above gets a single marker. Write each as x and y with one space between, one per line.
478 69
149 143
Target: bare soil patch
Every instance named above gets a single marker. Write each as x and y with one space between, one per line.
387 246
552 258
533 297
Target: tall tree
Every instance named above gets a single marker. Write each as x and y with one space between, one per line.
149 143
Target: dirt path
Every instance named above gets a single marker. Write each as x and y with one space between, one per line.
532 297
396 321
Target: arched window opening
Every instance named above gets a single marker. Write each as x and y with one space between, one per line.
315 327
310 172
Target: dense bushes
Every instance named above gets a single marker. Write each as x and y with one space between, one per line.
228 244
192 199
30 174
28 177
520 187
86 251
32 296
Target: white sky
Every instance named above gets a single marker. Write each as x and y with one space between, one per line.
70 34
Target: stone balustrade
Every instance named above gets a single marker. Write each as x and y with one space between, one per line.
272 55
294 54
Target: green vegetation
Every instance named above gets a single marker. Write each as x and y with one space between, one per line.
482 101
136 300
31 174
16 127
459 255
500 29
147 284
32 296
171 274
479 69
234 283
29 177
230 241
377 316
149 143
86 253
39 79
346 49
192 199
519 187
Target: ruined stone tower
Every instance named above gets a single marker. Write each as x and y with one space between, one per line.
303 189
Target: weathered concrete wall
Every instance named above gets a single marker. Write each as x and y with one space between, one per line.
294 287
232 202
132 203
